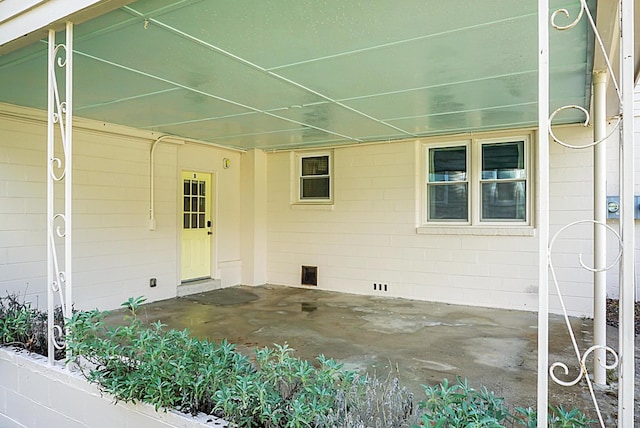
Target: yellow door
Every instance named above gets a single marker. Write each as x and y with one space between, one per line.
197 230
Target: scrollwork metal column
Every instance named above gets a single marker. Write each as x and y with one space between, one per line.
543 210
59 171
626 239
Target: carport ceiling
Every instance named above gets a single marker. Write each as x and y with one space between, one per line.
279 74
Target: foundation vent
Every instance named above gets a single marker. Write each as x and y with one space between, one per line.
309 275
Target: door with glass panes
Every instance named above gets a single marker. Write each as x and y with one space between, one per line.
197 227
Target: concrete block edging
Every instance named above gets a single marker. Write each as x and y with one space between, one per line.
34 394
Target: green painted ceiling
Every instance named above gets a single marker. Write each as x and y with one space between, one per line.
298 73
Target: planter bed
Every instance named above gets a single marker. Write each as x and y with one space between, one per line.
34 394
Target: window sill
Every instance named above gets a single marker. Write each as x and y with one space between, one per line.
320 206
477 230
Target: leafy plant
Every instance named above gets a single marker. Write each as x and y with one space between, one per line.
25 327
460 405
16 320
373 402
558 417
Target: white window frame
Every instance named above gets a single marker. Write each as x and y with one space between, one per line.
475 225
298 199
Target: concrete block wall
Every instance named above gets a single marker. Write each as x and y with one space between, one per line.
368 236
115 253
33 394
22 210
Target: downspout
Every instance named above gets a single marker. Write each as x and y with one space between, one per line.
179 141
152 214
599 231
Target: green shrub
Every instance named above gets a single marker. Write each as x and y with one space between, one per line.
460 405
558 417
170 369
373 402
16 319
164 368
25 327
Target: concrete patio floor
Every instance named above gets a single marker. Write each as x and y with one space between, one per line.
420 342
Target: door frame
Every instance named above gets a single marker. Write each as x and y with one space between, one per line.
213 201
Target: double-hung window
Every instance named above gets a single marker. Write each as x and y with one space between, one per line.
478 182
314 183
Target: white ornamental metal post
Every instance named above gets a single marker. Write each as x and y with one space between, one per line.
59 170
543 211
627 226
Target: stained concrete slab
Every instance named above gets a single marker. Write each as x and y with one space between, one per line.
422 342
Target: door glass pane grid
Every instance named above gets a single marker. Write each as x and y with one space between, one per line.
194 204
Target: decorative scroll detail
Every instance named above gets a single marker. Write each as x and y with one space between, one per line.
56 163
60 108
584 10
567 15
583 368
581 357
585 123
59 278
58 338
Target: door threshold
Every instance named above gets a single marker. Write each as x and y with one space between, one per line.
196 280
197 286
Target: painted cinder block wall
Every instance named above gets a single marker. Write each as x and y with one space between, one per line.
35 394
115 253
368 236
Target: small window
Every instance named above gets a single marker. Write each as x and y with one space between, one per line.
315 178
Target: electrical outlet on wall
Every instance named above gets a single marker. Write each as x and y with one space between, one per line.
153 282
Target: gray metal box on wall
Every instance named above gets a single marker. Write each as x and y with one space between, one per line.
613 207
